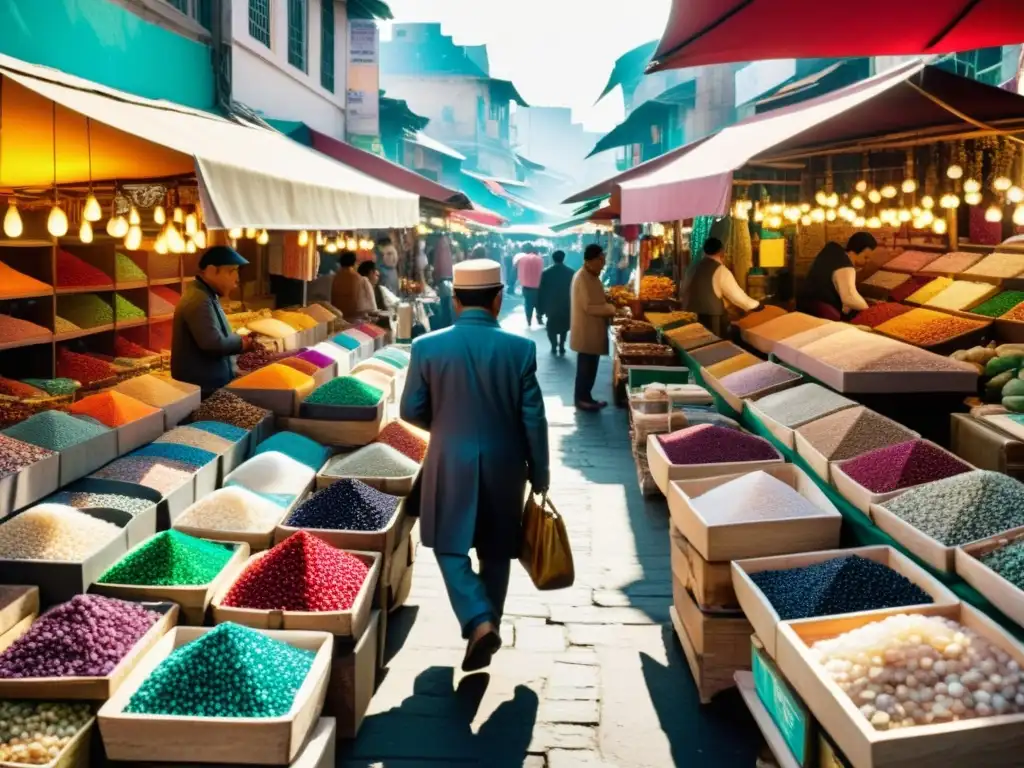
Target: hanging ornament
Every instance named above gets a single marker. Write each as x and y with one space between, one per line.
161 245
179 216
200 239
821 198
134 219
191 224
117 227
13 226
190 247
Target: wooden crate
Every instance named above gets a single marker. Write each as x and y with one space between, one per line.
709 677
236 740
352 680
17 603
664 472
725 638
757 538
765 619
709 583
191 600
74 755
930 551
93 688
1002 593
382 541
992 742
349 623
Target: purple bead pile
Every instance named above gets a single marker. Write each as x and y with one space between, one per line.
903 465
84 637
711 444
758 377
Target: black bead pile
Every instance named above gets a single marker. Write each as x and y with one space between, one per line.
842 585
347 505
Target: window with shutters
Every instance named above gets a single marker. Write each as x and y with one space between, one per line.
259 20
297 18
327 44
181 5
202 11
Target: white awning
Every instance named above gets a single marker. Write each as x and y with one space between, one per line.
249 176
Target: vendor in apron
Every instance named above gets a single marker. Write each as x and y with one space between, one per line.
712 289
830 288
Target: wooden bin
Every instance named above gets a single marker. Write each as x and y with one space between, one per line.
664 472
757 538
765 619
350 623
192 600
352 681
19 606
361 541
93 688
1002 593
930 551
709 583
75 754
21 489
338 434
233 740
992 742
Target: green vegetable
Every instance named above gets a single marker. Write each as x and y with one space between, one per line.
997 365
1014 388
996 383
1015 404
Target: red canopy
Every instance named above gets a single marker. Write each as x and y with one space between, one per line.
383 169
480 215
701 32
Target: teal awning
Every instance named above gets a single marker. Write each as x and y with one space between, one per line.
629 68
503 91
636 128
369 9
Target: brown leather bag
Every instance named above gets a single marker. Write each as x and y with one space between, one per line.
546 554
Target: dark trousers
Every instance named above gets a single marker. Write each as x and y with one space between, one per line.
530 299
586 375
557 338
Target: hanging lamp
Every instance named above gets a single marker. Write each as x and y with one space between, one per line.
57 221
13 226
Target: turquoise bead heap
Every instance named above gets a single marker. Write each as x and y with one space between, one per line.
230 671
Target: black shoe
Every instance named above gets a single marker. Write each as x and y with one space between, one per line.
479 653
561 351
554 350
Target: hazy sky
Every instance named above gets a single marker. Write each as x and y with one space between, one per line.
558 52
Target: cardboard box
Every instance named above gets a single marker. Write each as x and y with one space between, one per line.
93 688
338 434
394 486
140 432
236 740
137 528
19 490
353 677
664 472
319 412
383 541
998 590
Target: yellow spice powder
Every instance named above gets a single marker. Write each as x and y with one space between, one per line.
930 290
733 364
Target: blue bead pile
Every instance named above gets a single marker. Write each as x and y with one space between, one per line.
55 430
345 341
347 505
186 454
298 447
219 428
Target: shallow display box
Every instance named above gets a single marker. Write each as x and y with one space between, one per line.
395 486
20 489
757 538
191 600
337 434
148 517
821 465
325 412
140 432
788 715
58 580
709 583
992 742
280 402
1001 592
1011 331
736 401
765 619
383 541
235 740
353 677
665 473
348 623
965 340
889 382
785 435
137 527
19 606
88 456
345 358
179 410
861 497
94 688
263 430
177 501
75 753
322 375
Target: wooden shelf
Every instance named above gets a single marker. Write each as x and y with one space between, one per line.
82 332
135 284
131 323
771 733
161 318
165 281
21 243
26 342
26 295
84 289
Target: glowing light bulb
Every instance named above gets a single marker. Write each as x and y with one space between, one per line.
973 198
830 214
178 216
793 214
758 216
118 227
161 246
832 201
13 226
263 238
874 223
805 207
320 239
1001 184
818 215
134 219
190 247
972 185
904 215
993 214
1015 194
57 222
351 244
860 221
955 171
191 224
927 202
820 197
805 220
303 238
1018 215
160 215
862 186
939 226
857 203
926 217
92 211
889 192
909 186
331 247
250 233
85 231
199 238
235 234
875 196
133 240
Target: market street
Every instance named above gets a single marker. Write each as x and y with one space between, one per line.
590 676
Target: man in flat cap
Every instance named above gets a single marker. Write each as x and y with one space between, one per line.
203 347
474 387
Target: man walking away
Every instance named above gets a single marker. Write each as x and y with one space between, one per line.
591 314
474 387
554 301
530 267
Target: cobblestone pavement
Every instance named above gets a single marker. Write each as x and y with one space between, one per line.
590 676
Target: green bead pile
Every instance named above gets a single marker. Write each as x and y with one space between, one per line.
170 559
86 310
345 390
999 304
127 271
230 671
125 310
1008 562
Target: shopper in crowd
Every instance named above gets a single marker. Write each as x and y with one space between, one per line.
529 267
474 387
385 300
554 301
830 288
352 293
387 263
203 346
509 261
712 289
591 314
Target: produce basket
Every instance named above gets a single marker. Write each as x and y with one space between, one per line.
647 354
637 332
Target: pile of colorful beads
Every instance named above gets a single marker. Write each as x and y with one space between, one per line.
86 310
232 509
14 329
158 305
220 429
903 465
151 390
924 327
298 447
1000 265
126 310
999 304
347 505
268 326
113 408
374 460
35 733
73 272
19 389
163 475
79 497
801 404
316 357
731 365
16 455
753 497
229 671
231 409
952 263
877 314
396 356
84 637
710 444
197 438
273 476
929 290
274 376
300 365
53 386
126 270
14 284
962 294
170 559
406 439
55 430
333 351
346 341
910 261
85 369
124 347
759 378
54 532
302 573
165 294
258 357
297 320
852 432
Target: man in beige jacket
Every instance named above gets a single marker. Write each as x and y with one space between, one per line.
588 336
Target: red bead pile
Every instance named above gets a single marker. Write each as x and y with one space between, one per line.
404 439
302 573
160 335
73 272
19 389
908 287
877 314
712 444
83 368
125 348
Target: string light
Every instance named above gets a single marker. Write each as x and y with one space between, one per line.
1001 184
818 215
821 198
133 240
57 221
874 223
178 216
117 227
955 172
191 224
303 239
200 239
134 219
939 226
161 246
1015 194
830 215
889 192
263 238
972 185
857 203
92 211
862 186
973 198
859 222
190 247
875 196
904 215
805 220
331 247
235 233
1018 215
13 226
909 186
993 214
250 233
927 202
